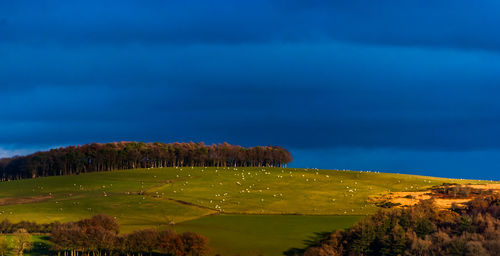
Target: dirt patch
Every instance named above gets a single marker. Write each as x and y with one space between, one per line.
23 200
411 198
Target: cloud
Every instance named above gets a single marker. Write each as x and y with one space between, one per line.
297 95
442 24
406 76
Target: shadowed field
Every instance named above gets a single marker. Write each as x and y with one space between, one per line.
262 234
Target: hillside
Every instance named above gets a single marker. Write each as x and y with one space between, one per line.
241 198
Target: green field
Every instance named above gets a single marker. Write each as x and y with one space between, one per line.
257 210
263 234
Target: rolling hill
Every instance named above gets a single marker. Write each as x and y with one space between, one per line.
245 211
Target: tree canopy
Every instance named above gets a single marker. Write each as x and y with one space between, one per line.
97 157
100 235
422 229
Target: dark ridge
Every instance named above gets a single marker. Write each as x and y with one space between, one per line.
97 157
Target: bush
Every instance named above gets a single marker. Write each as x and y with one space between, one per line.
420 230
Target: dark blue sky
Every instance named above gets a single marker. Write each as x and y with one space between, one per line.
397 86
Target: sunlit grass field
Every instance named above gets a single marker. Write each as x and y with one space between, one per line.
182 198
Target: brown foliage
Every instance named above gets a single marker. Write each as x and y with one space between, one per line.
459 191
101 234
420 230
194 244
170 243
7 227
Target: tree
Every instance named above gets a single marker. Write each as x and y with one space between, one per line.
141 241
22 241
99 235
419 246
195 244
97 157
323 250
420 230
424 226
5 245
170 243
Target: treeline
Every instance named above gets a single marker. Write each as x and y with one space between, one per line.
419 230
98 157
99 236
7 227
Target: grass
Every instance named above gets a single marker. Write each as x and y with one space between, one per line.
158 197
262 234
133 212
288 191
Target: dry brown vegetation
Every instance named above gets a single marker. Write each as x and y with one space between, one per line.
445 196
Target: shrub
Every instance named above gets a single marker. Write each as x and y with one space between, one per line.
420 230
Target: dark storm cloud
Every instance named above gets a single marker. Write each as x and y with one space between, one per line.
444 24
269 97
297 95
362 77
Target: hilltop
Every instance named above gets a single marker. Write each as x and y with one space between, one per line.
100 157
224 203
